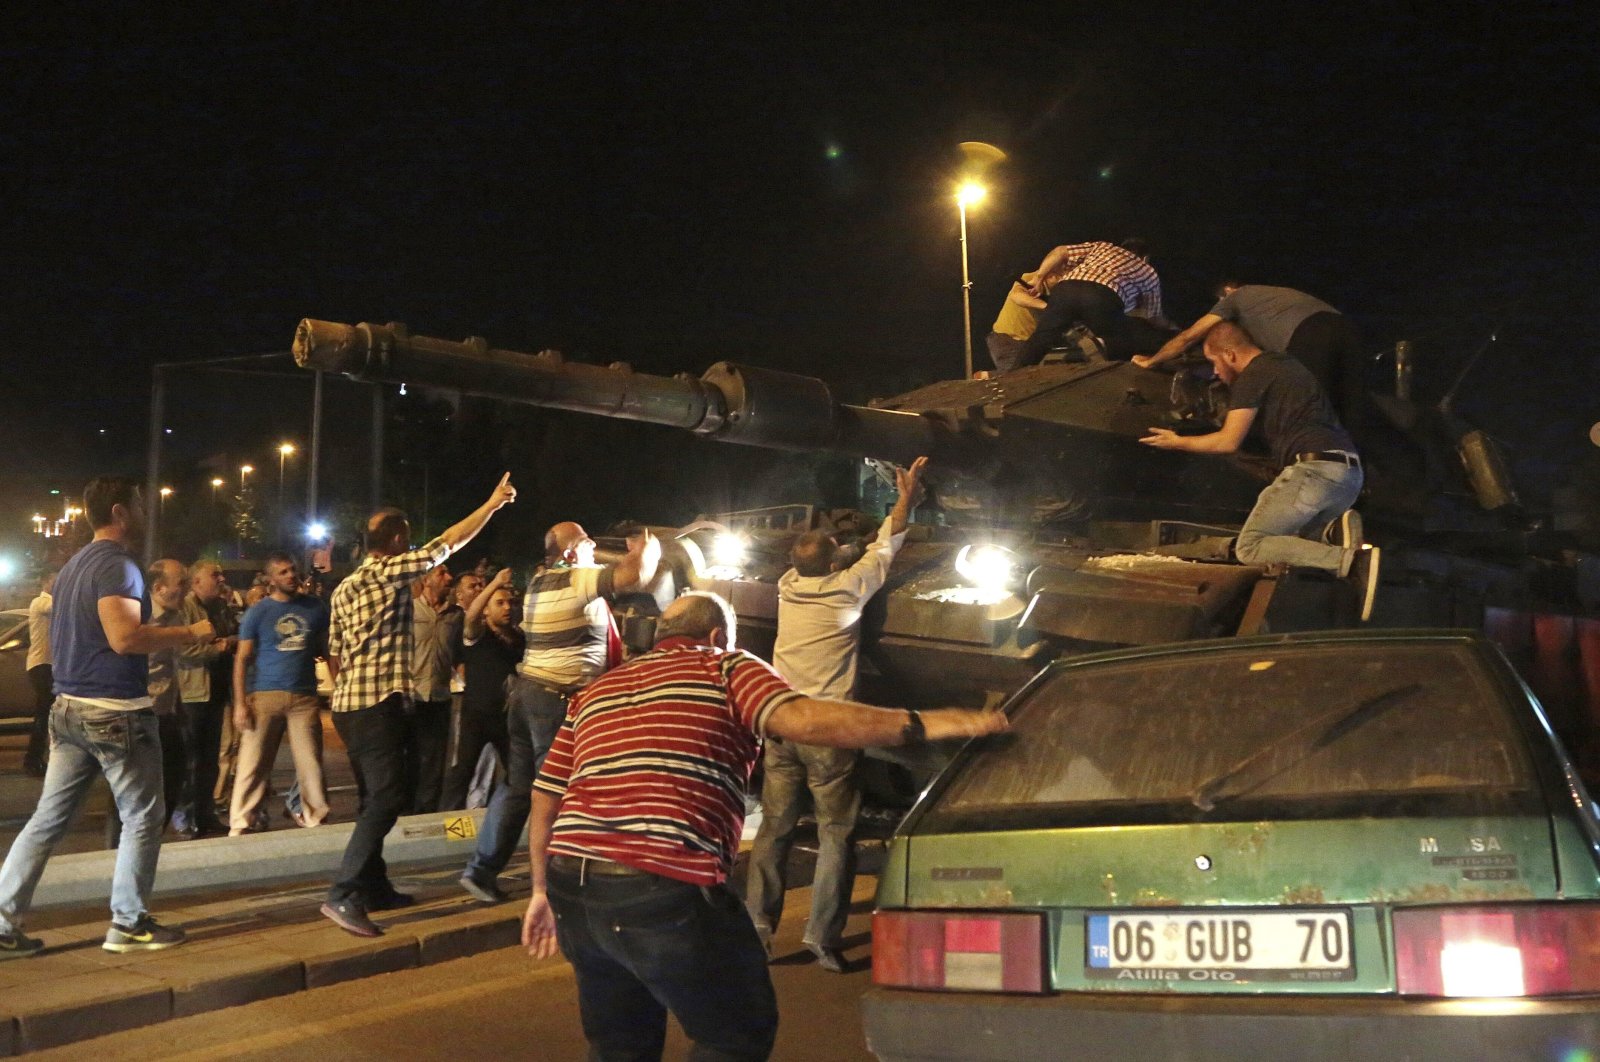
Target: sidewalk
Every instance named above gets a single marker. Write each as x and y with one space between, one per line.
239 950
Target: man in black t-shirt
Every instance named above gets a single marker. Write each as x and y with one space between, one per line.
491 645
1278 398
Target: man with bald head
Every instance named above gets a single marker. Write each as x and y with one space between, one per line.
205 680
819 619
370 655
571 641
639 809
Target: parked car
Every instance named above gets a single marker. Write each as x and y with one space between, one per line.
1346 845
16 696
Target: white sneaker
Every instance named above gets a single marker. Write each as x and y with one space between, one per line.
1346 532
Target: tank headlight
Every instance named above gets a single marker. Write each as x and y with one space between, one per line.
728 550
988 567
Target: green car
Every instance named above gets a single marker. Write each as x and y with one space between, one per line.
1341 845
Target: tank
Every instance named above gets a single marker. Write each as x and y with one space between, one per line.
1048 530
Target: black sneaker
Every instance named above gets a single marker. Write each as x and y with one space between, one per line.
351 917
490 893
1346 532
1364 575
391 901
17 946
145 935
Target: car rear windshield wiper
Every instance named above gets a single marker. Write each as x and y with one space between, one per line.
1319 733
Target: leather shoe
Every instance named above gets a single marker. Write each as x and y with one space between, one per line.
830 959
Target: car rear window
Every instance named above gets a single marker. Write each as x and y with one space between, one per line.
1219 733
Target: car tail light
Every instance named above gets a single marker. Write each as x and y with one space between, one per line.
970 951
1531 949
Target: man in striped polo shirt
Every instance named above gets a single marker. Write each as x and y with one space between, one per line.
639 808
571 641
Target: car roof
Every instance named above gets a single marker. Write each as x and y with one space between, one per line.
1366 636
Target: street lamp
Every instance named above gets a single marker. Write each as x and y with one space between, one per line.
284 450
216 481
166 492
970 193
244 470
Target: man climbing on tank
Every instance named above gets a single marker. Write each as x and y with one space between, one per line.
1321 476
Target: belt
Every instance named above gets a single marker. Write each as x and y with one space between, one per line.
1337 456
586 865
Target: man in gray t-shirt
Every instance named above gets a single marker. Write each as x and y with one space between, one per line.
1293 323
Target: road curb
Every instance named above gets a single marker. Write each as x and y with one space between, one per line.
260 858
74 992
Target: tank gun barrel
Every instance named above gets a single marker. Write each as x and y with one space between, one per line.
731 403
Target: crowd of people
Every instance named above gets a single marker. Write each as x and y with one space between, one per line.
629 775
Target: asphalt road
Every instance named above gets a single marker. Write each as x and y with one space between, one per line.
500 1004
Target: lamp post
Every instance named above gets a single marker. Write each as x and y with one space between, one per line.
284 450
244 470
166 492
969 194
216 481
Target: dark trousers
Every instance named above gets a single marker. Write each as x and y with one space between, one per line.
534 714
644 945
430 737
478 728
1072 301
1329 345
202 745
41 678
378 740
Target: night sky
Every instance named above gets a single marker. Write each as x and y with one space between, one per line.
671 187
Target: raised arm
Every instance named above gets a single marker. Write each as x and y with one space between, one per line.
473 625
459 534
638 568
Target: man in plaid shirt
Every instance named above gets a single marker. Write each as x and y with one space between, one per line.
1100 284
369 653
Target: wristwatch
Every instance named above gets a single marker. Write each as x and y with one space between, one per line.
913 733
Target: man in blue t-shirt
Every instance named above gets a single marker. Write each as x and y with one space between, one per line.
283 635
102 721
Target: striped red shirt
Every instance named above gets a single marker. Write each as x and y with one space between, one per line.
652 763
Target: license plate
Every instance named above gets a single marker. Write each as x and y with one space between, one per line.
1220 945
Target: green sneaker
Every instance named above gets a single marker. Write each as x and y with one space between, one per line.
17 946
146 935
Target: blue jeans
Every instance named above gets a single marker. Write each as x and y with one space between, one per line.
645 945
533 715
791 769
1303 500
85 741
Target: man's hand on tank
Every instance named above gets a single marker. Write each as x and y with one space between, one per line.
1163 439
504 494
1142 360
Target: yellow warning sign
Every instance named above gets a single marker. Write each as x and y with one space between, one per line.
462 828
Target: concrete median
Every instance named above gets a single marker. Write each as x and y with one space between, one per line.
261 858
